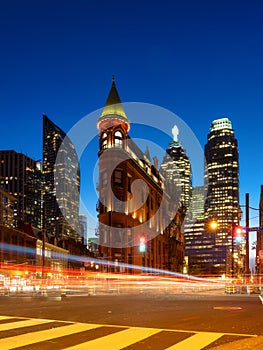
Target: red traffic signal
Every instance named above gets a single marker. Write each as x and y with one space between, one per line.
238 231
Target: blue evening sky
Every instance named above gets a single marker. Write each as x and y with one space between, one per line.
202 60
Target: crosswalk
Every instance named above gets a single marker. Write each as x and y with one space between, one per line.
43 334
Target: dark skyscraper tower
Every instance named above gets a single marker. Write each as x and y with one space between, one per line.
176 169
61 184
21 177
222 185
199 243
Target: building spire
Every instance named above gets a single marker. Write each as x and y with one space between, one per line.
147 153
113 97
113 109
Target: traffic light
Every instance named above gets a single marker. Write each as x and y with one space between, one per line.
238 231
142 246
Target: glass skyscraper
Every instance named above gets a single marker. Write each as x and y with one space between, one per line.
222 188
199 243
176 169
21 177
61 184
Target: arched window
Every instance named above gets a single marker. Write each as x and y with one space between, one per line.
104 141
118 138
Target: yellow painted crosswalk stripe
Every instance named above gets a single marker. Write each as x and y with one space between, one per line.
117 340
6 317
114 341
22 323
197 341
35 337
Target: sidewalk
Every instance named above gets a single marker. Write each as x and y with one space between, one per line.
244 344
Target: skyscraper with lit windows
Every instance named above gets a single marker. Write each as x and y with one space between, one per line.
21 177
222 187
176 169
61 184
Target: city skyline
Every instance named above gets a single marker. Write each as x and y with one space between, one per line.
202 62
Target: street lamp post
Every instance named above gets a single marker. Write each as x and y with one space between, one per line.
43 252
232 252
247 234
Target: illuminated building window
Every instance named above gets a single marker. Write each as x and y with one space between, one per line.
118 139
129 183
118 178
104 143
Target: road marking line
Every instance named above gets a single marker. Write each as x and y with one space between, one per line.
197 341
227 308
127 326
117 340
35 337
23 323
261 299
123 338
184 330
7 317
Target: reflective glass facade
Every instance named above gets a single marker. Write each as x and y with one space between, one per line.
61 184
176 169
222 185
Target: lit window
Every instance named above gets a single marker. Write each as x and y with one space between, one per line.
118 138
118 142
104 144
118 177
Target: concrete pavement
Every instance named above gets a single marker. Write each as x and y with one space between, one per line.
244 344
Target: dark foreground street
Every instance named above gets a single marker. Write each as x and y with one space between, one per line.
134 322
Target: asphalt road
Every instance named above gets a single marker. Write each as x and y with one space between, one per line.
233 316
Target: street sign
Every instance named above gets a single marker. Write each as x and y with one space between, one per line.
248 229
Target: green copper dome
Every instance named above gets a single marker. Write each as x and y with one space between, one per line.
113 107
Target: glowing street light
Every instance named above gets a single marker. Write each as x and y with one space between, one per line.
213 225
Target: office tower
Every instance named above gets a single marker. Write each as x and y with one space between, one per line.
129 231
21 177
7 202
222 186
199 243
176 169
83 229
196 209
60 199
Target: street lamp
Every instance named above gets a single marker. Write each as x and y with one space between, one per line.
213 225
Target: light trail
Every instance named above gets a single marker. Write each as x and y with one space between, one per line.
153 272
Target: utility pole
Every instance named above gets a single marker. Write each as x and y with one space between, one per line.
43 252
232 251
247 234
